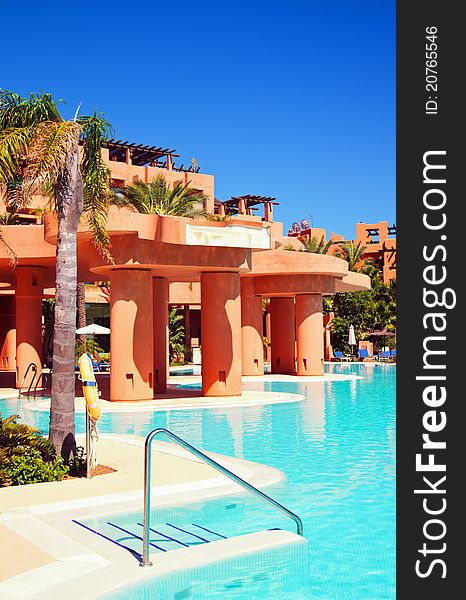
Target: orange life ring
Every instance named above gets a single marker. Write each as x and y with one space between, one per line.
91 393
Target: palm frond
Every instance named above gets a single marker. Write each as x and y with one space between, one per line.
157 198
49 151
353 254
13 147
317 245
18 112
19 118
96 179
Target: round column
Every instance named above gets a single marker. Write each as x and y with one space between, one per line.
131 337
282 335
160 321
29 290
309 334
251 329
7 333
221 334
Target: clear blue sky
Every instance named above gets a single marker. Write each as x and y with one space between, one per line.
293 99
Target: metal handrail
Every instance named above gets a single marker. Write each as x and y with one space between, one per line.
34 368
42 376
145 562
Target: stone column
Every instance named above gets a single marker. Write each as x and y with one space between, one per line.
221 334
29 290
309 334
251 329
282 335
131 337
160 320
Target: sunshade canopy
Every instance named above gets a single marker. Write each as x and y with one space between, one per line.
93 329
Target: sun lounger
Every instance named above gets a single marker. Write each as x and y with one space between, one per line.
338 355
364 355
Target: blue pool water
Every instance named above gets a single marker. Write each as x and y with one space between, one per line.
337 448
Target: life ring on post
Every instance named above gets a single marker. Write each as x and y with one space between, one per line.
91 393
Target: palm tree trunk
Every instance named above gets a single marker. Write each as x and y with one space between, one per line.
81 300
70 203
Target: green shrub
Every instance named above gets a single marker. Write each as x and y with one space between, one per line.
29 467
26 456
16 436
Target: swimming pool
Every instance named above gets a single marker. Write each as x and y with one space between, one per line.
337 449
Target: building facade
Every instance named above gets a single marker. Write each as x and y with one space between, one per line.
225 265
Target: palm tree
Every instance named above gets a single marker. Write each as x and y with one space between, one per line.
81 309
353 254
175 334
157 198
317 245
39 152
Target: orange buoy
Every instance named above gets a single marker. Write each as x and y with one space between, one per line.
91 393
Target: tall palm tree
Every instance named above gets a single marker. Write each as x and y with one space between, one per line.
353 254
157 198
39 152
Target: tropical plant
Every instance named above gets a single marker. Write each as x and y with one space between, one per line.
39 152
366 310
14 436
9 219
313 244
29 467
353 254
157 198
175 335
26 456
89 345
317 245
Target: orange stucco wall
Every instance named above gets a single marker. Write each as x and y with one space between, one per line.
131 340
309 335
251 329
29 290
282 335
221 334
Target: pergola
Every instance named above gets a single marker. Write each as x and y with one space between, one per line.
141 155
247 203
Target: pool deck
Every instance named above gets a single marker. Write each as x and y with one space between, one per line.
42 550
35 519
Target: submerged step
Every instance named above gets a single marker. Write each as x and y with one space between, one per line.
164 537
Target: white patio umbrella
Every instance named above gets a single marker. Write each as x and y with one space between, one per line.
351 338
93 329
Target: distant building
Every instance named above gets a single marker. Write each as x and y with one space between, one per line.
379 239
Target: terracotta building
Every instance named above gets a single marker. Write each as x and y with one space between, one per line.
225 267
378 238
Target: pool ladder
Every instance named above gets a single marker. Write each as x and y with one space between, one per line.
35 379
145 562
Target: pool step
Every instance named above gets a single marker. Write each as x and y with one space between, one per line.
163 537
